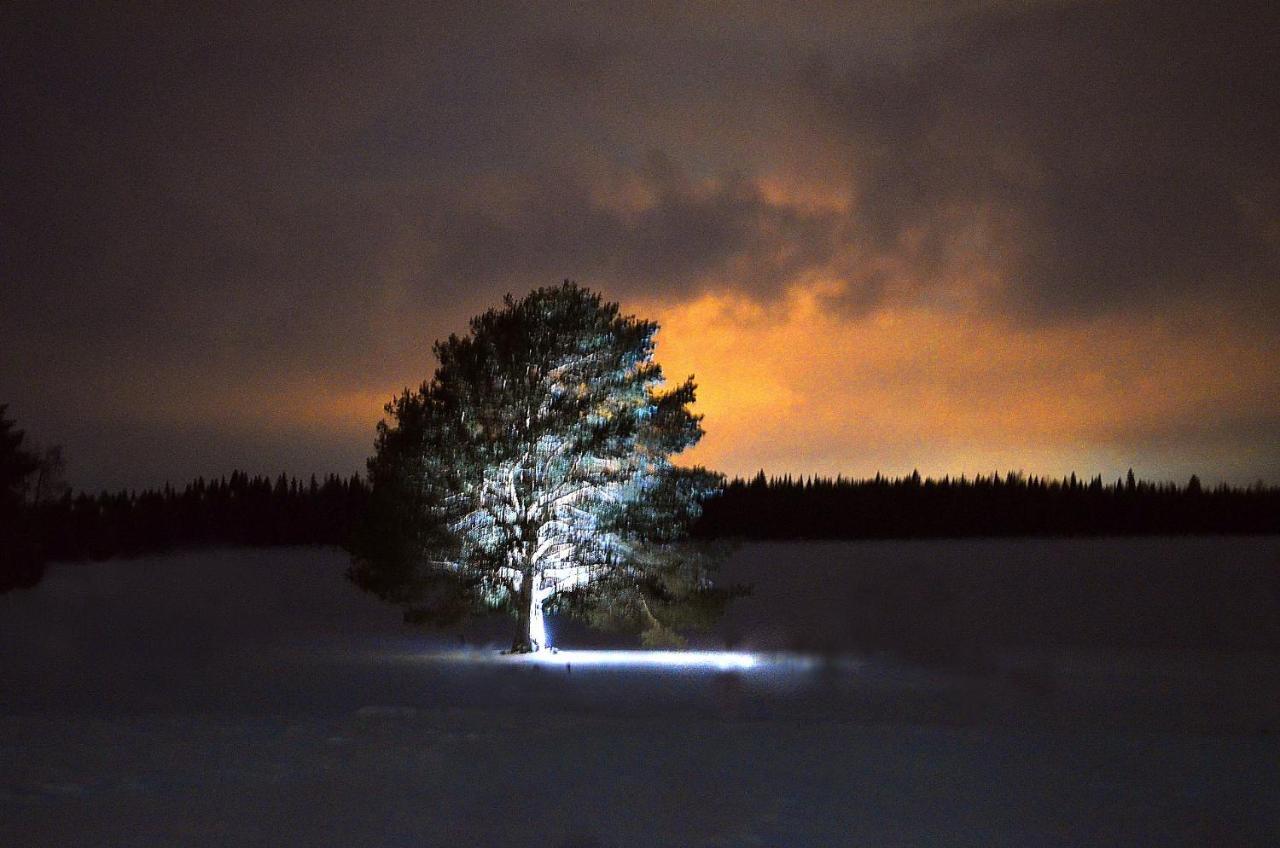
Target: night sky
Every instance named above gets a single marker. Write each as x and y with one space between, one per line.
959 237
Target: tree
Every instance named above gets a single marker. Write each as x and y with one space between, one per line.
16 463
534 471
20 562
50 483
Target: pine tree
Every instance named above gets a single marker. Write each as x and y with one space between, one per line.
534 471
20 561
16 463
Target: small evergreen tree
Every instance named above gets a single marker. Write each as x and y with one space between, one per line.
534 471
16 463
20 561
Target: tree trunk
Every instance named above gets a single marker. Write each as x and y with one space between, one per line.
522 644
531 632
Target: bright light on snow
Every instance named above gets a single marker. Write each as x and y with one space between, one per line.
768 664
662 659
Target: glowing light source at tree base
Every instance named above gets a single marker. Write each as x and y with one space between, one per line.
719 660
621 660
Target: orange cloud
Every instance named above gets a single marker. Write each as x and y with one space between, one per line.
799 388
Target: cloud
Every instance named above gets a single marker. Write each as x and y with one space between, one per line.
1116 151
214 213
652 229
795 387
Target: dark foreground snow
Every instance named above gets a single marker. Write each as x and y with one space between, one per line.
255 698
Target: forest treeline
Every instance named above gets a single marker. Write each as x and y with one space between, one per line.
41 520
262 511
238 510
1009 505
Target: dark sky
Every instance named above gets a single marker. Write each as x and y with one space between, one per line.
953 236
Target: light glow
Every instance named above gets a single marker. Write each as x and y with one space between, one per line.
617 659
770 663
802 387
719 660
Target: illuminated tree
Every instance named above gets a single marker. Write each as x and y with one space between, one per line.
534 471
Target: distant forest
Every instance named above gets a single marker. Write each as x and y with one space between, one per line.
1010 505
41 520
264 511
231 511
238 510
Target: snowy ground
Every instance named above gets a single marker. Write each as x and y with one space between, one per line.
255 698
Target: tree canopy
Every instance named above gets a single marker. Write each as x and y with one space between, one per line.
534 470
